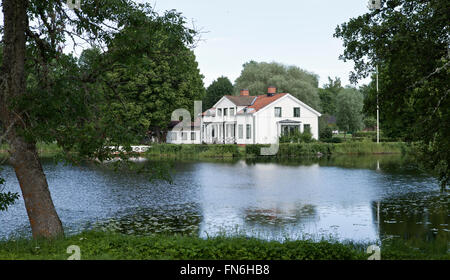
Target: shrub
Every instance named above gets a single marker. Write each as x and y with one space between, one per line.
336 140
254 149
193 150
297 137
326 133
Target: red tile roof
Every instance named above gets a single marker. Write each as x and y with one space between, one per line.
264 100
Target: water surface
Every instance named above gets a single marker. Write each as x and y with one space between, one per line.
349 198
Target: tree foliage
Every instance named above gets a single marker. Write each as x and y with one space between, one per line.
6 198
258 76
112 97
349 107
328 95
89 104
409 41
218 88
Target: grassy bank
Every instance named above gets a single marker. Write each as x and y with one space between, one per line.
250 151
285 150
44 149
101 245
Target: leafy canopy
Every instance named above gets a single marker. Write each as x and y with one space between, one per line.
409 41
258 76
349 110
137 69
218 88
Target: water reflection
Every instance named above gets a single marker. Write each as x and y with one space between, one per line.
280 215
361 198
416 216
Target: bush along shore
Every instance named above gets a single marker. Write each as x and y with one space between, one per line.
45 150
285 150
107 245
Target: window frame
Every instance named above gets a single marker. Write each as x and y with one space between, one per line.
299 112
184 136
248 131
280 110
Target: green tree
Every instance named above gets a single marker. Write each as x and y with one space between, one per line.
218 88
6 198
349 110
328 95
160 81
408 40
47 95
370 122
258 76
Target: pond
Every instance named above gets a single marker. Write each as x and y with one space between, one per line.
357 198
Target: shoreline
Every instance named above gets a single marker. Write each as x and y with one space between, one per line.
98 244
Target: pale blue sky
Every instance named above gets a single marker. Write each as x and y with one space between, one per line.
293 32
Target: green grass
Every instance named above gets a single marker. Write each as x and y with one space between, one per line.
112 246
285 150
191 151
369 147
44 149
194 151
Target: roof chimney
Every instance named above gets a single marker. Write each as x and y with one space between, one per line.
245 92
271 91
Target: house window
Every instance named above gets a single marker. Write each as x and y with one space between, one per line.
249 131
297 112
219 112
184 135
173 136
231 111
192 135
289 129
307 128
278 112
241 131
213 132
225 112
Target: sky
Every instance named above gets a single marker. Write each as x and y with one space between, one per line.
292 32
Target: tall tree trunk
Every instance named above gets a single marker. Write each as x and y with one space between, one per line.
23 154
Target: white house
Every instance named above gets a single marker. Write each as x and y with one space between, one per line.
247 119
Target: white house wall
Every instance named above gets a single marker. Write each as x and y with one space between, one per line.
267 128
245 120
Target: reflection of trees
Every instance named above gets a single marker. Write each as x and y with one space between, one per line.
390 163
419 217
281 215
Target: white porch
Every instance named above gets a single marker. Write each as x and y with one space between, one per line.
219 132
